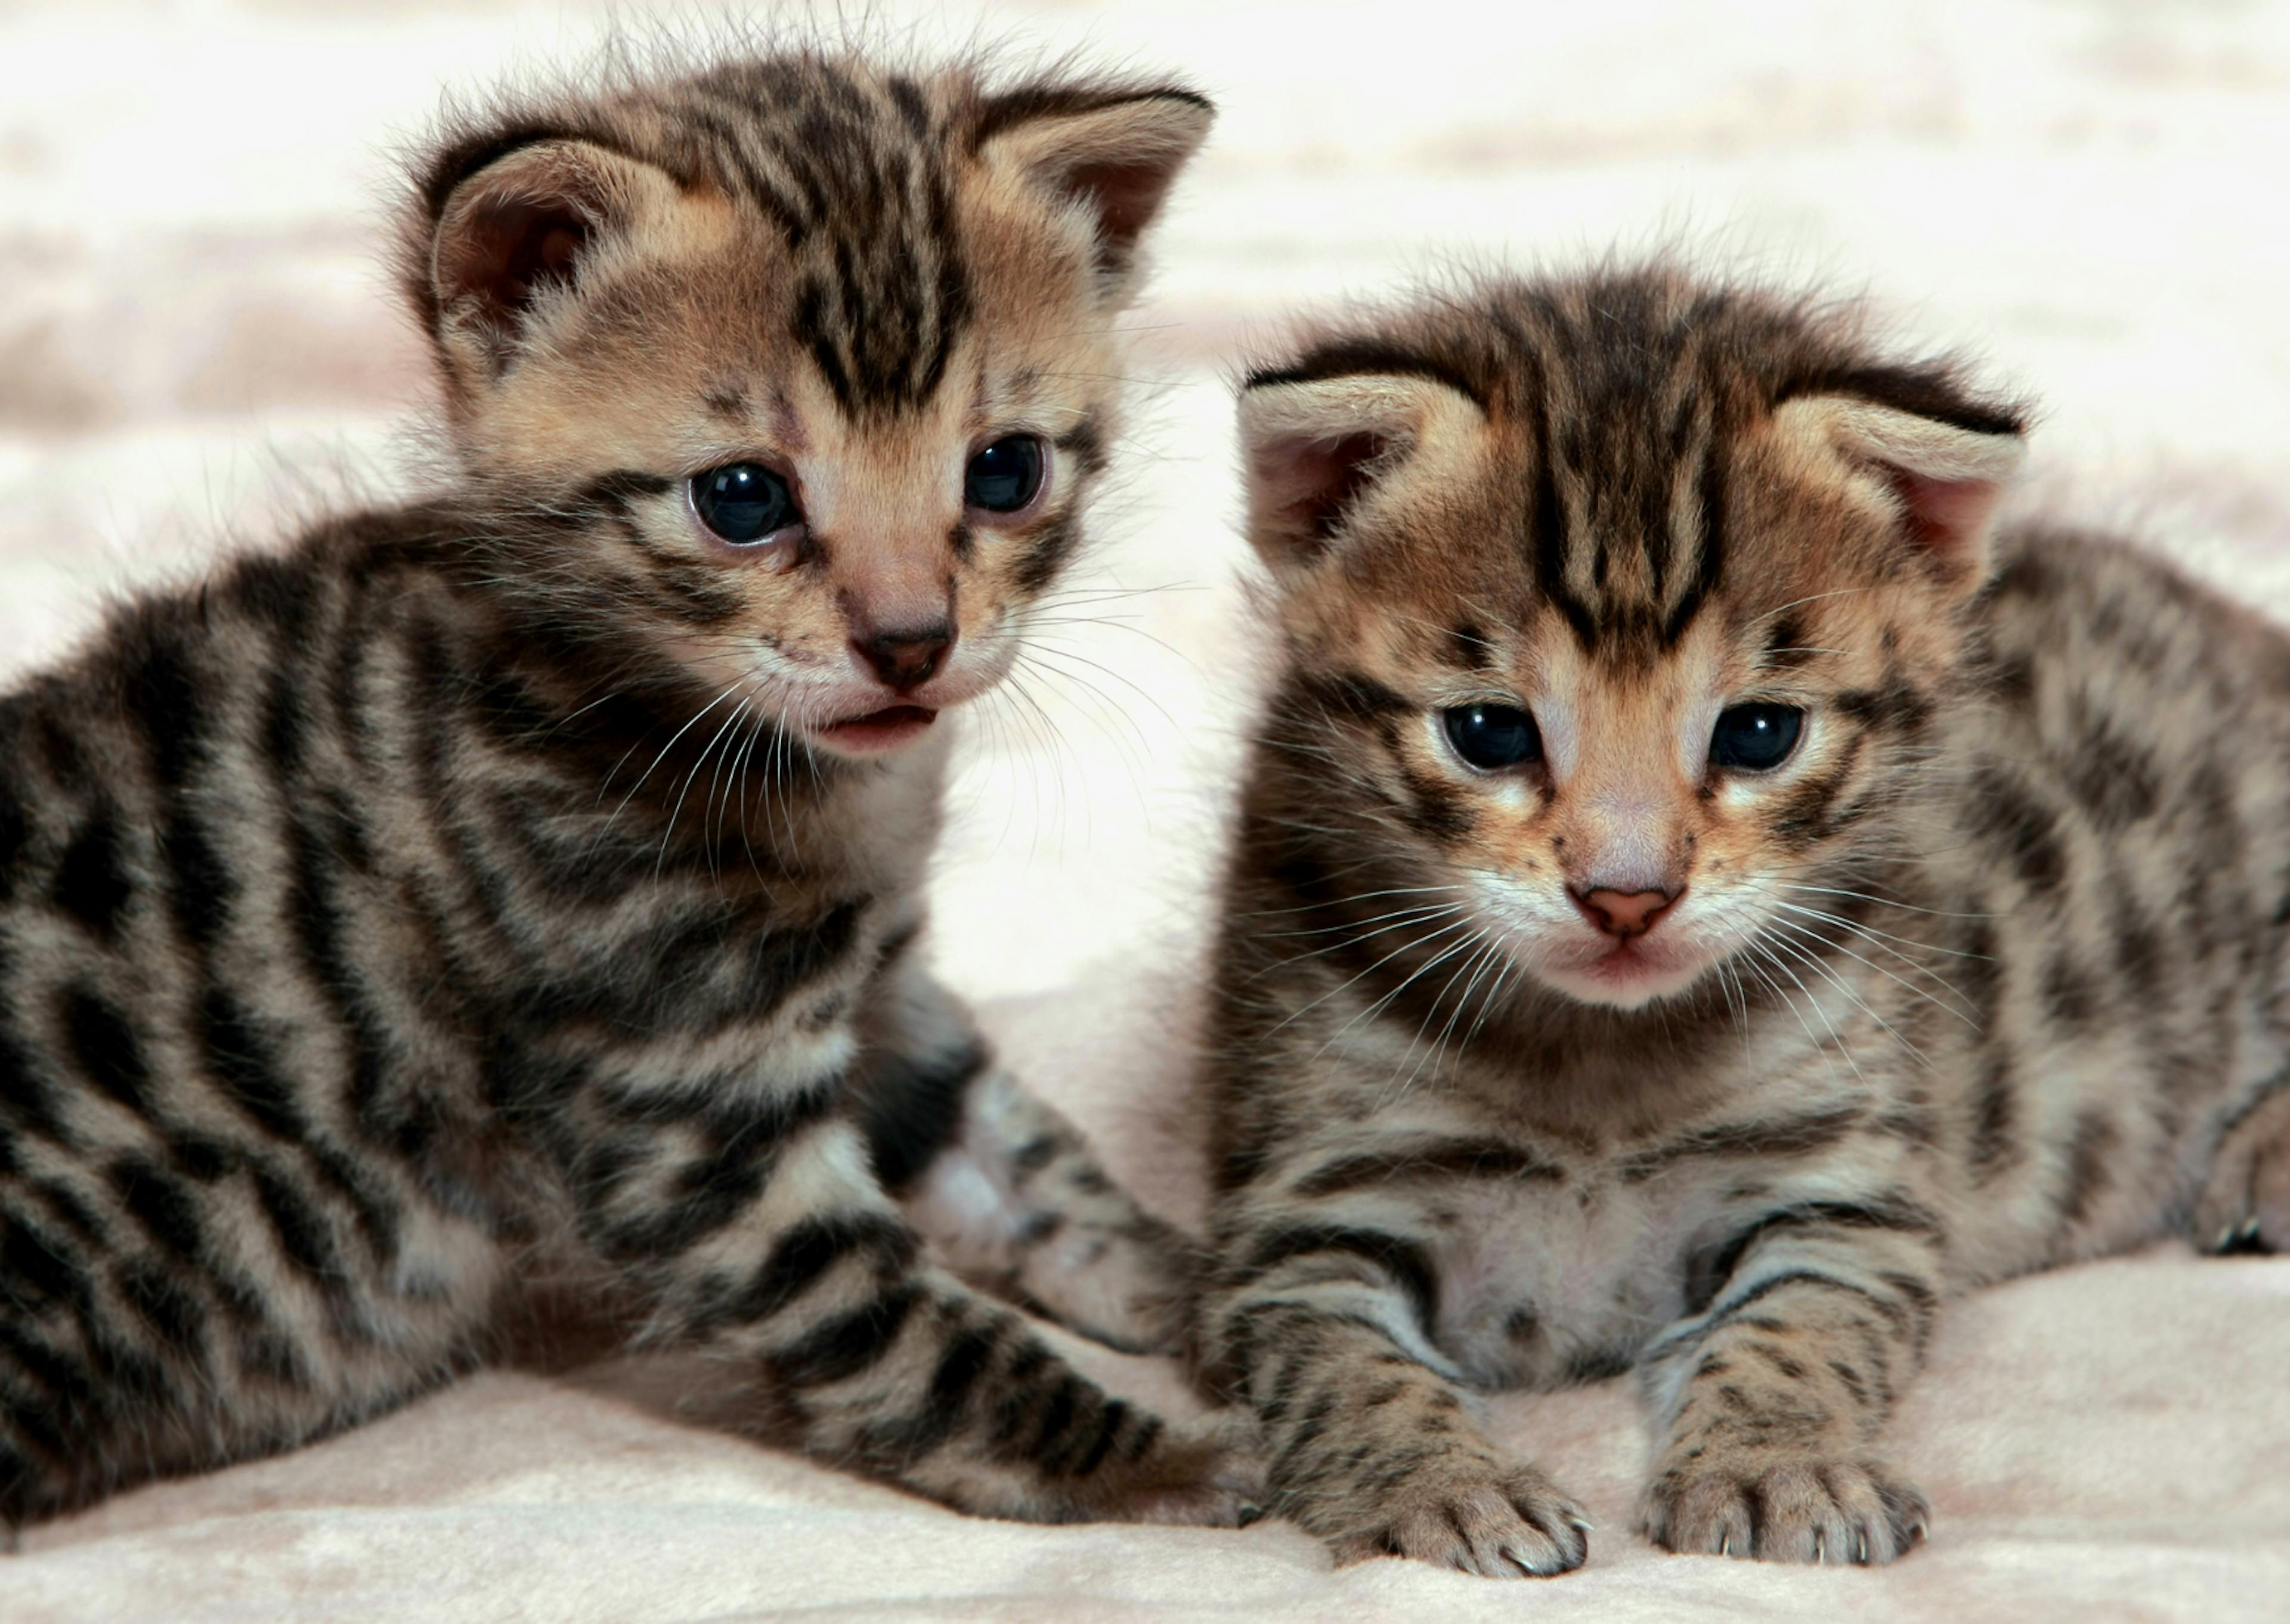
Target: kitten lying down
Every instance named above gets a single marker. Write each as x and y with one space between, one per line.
1702 895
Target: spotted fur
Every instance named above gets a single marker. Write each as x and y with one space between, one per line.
1986 976
470 899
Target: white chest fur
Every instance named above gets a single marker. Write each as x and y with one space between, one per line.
1542 1284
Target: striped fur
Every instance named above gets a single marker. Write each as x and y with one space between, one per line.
476 899
1986 976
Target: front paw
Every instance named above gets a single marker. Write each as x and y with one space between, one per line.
1473 1514
1792 1511
2246 1203
1208 1473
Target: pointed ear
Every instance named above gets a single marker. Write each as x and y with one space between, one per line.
1319 449
1941 480
508 238
1112 153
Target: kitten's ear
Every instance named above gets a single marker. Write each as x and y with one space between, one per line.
1316 449
1943 480
1113 152
505 236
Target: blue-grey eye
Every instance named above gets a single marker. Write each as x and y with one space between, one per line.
1004 477
743 503
1493 737
1755 738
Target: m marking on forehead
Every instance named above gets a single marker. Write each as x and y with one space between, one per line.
1628 527
857 186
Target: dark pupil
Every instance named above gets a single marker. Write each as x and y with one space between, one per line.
1491 737
1003 477
1755 736
743 503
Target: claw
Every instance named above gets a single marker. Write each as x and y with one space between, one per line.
2239 1238
1861 1547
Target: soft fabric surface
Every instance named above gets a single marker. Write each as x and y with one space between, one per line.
2105 1443
195 345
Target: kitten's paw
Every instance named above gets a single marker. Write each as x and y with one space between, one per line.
2245 1204
1474 1516
1801 1511
1208 1474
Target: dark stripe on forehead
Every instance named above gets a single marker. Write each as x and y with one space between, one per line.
737 168
1549 523
1709 560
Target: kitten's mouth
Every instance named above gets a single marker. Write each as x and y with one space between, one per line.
879 732
1626 976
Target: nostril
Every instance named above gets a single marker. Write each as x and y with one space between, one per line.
1620 914
909 657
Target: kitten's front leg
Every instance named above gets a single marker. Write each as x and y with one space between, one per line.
1006 1189
1320 1326
1771 1401
760 1235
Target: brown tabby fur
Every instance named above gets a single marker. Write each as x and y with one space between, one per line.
1986 976
466 899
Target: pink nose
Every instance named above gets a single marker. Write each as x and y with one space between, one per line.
1623 915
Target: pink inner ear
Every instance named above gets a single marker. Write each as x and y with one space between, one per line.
510 248
1305 483
1126 196
1947 515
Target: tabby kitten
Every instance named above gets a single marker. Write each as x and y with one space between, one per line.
520 886
1701 897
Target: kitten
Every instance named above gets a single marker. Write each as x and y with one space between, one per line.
1699 899
520 887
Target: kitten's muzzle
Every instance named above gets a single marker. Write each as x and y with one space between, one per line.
1623 915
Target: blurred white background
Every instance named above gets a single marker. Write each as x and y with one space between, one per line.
196 341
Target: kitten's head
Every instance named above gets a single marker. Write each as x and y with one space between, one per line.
1620 607
790 377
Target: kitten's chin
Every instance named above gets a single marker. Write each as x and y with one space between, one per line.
876 732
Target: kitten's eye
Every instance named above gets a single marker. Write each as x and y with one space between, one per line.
1755 738
1493 737
1006 475
743 503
